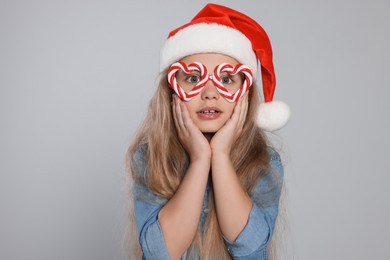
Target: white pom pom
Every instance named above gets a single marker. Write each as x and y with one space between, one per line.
273 115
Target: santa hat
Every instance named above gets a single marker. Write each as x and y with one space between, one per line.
219 29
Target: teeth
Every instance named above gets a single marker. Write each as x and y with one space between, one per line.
209 112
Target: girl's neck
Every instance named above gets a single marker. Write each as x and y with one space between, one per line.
208 136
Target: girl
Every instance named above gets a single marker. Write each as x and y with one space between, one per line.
206 185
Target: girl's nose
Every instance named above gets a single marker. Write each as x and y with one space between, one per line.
210 91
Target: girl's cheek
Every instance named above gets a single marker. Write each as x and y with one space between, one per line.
193 117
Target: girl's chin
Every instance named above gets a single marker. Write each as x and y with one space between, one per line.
209 130
209 127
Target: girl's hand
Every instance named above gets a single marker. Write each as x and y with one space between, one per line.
192 139
224 139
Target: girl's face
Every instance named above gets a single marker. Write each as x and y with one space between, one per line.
209 110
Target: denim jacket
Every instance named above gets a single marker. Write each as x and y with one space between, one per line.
252 241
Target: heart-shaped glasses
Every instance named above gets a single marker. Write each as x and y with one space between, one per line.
232 82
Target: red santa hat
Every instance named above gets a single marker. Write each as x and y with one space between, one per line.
219 29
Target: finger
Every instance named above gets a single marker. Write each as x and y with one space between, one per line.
174 113
186 115
179 120
244 109
179 114
236 112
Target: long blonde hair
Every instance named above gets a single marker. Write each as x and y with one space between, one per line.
249 157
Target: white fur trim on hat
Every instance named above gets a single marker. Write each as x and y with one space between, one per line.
209 38
273 115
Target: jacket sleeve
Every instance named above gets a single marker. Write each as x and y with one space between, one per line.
146 207
254 238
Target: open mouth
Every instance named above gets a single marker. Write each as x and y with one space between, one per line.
209 112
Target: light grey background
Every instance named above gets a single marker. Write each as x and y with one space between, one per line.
75 80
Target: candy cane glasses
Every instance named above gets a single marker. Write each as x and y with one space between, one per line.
232 82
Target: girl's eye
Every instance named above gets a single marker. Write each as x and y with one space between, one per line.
193 79
226 80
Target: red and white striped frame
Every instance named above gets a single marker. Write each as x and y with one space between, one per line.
232 70
197 66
